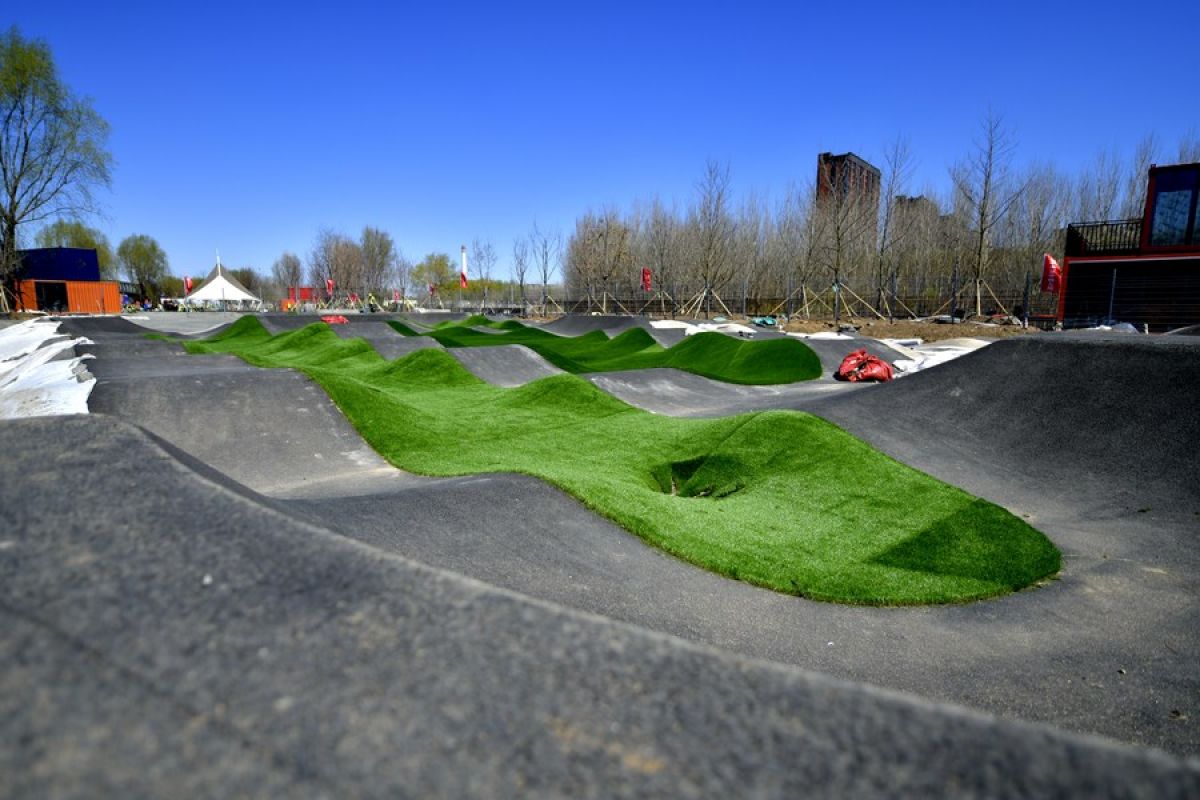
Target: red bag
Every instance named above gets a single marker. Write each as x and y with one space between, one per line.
861 366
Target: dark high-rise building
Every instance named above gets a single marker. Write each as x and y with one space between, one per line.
847 177
850 185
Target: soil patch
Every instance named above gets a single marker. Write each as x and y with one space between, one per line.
911 329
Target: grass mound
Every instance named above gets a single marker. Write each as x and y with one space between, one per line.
780 499
712 355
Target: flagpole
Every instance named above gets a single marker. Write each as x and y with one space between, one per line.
462 282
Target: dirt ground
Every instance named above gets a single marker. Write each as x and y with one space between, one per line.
910 329
900 329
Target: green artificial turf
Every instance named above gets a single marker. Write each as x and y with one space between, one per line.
712 355
780 499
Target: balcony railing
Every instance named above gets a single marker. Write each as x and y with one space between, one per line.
1119 237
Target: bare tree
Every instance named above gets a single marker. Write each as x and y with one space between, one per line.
794 239
336 257
600 252
1098 189
250 279
547 249
749 255
713 226
661 246
483 256
920 254
1189 147
1037 221
520 266
403 272
897 170
287 273
1133 203
984 184
378 261
842 229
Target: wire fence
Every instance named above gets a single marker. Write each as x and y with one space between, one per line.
804 302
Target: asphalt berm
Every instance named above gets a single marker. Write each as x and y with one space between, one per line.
194 610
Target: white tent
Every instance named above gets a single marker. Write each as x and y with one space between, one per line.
222 289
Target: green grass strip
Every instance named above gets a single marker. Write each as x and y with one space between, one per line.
712 355
780 499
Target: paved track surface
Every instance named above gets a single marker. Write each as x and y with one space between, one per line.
1120 672
504 365
273 430
682 394
1106 649
232 651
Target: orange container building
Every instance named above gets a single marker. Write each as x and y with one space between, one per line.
70 297
64 280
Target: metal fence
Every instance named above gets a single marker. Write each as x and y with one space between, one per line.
817 303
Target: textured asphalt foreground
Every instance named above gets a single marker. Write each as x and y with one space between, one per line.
162 635
1062 653
1104 650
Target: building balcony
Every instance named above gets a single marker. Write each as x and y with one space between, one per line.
1114 238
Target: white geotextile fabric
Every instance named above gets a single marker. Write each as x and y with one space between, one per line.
821 335
924 356
690 328
35 380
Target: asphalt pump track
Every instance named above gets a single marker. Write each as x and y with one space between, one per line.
243 492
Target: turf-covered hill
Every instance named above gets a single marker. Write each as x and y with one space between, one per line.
712 355
780 499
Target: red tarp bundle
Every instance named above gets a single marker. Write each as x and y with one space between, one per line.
861 366
334 319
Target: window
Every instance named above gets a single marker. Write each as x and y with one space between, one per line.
1174 206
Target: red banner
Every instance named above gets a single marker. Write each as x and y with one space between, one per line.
432 290
462 279
1051 274
395 295
647 280
329 286
187 284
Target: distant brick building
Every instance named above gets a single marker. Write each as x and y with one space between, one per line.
847 177
853 184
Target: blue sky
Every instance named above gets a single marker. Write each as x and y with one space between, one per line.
246 127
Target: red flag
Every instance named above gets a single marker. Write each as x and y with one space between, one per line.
1051 274
329 286
462 279
647 279
395 295
187 284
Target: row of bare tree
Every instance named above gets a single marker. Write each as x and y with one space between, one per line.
977 241
370 265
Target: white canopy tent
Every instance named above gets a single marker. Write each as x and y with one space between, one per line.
222 290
